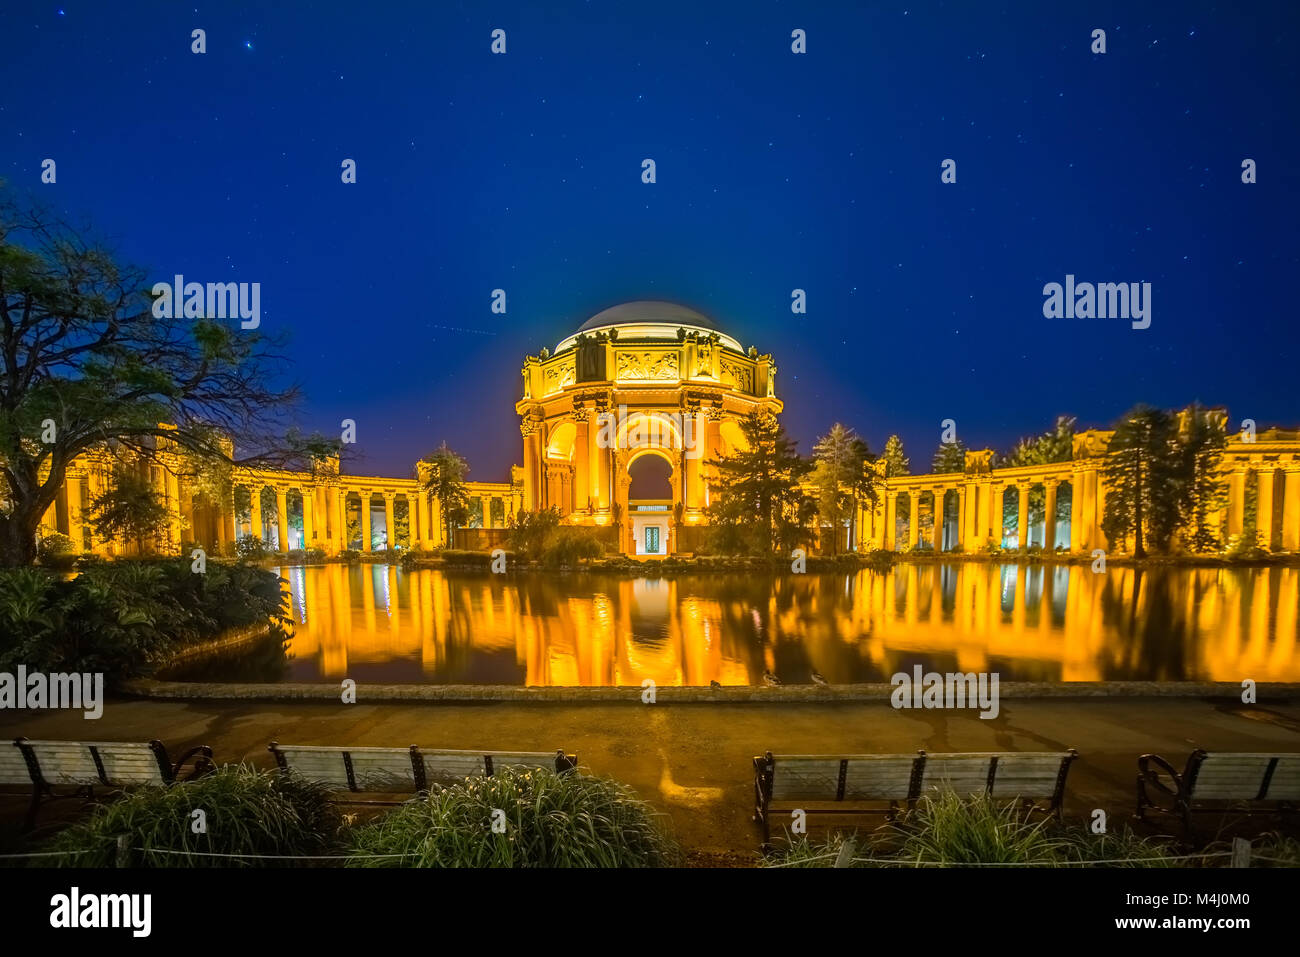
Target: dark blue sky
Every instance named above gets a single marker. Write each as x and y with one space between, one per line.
775 171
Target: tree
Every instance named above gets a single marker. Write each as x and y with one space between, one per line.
949 457
1055 445
86 360
1142 472
444 475
755 500
844 478
128 509
896 462
1204 490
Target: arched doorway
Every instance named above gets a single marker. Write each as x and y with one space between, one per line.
650 499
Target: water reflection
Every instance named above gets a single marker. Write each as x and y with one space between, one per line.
377 623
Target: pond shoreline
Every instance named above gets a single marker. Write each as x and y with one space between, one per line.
632 694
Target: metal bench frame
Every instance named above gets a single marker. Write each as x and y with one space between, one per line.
1181 800
170 771
564 764
765 771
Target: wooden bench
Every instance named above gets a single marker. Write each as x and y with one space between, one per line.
85 765
403 770
1215 782
875 783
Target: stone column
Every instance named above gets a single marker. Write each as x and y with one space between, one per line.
419 520
532 483
1236 501
972 516
390 539
255 512
997 514
335 502
961 516
72 489
1022 516
1291 509
1076 512
308 518
1264 506
1049 515
366 543
581 465
937 536
282 518
173 485
227 520
913 518
891 520
1099 496
984 515
487 511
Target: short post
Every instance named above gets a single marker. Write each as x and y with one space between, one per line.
845 857
1240 852
123 851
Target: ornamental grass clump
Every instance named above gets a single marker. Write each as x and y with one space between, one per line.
541 820
249 817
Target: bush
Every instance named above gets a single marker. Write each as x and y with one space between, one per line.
251 548
462 556
531 533
55 551
550 821
122 617
570 545
248 812
350 555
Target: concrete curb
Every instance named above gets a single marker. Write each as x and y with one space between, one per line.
798 694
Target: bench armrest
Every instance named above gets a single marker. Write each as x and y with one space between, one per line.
1152 778
203 764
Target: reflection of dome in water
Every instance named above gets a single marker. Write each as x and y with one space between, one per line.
649 319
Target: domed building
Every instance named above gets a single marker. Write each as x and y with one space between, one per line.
622 419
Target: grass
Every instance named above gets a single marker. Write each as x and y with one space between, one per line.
951 831
549 820
246 812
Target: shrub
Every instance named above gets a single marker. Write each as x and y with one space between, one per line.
570 545
531 533
248 812
462 556
550 821
251 548
350 555
55 551
122 617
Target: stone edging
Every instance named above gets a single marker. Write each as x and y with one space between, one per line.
802 694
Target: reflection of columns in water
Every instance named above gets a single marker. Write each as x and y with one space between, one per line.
394 605
1018 602
1256 651
430 646
912 600
1288 613
334 645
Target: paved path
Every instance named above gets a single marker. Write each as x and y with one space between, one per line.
694 760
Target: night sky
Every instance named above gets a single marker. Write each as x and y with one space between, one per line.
775 171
